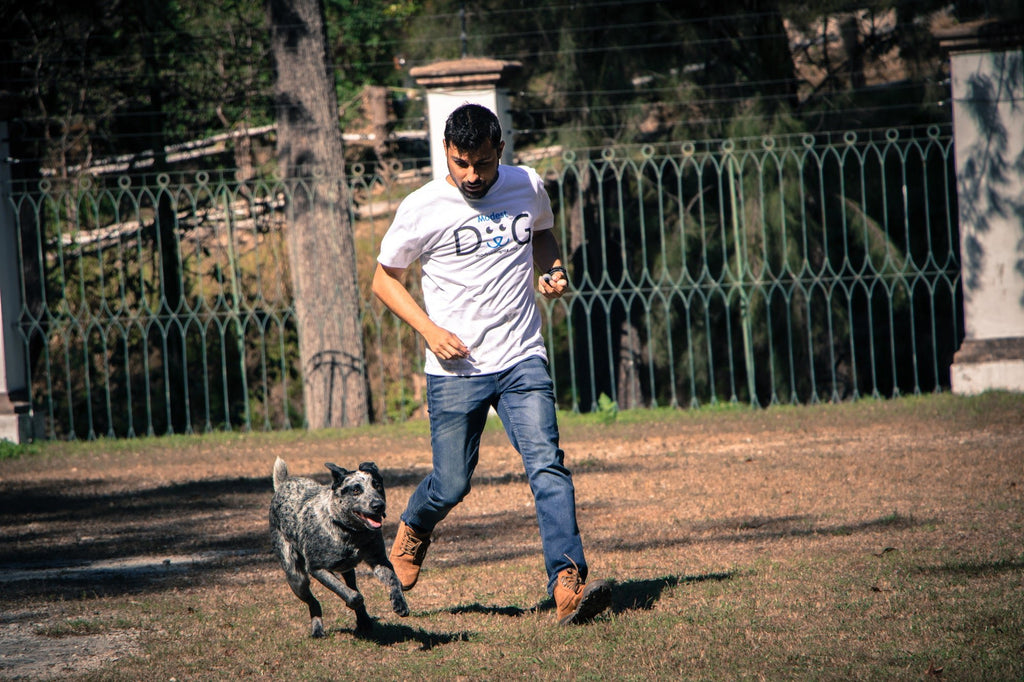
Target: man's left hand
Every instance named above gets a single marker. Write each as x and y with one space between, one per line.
552 286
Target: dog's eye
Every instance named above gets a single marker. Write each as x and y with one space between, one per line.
355 489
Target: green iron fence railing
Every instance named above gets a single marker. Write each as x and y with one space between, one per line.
771 270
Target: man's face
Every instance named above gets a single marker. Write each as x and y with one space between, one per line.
473 171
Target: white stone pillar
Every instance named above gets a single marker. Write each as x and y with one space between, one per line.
471 80
15 415
986 61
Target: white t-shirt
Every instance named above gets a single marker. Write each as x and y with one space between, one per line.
477 261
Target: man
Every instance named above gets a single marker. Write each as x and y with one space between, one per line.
478 234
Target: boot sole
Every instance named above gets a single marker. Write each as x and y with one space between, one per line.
597 596
406 586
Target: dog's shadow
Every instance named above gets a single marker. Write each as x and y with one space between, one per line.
389 634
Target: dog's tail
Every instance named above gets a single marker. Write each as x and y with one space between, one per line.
280 472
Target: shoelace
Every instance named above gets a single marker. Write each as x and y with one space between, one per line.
571 576
571 579
411 544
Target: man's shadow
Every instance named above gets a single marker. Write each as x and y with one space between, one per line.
642 595
631 595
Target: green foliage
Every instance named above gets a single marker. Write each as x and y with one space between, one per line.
363 37
9 450
106 78
607 408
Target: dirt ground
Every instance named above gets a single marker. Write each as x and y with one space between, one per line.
89 521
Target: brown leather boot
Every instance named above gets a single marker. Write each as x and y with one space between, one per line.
577 601
407 554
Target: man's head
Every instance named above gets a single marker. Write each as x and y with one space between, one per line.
470 126
473 147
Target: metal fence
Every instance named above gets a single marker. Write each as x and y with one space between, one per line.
787 269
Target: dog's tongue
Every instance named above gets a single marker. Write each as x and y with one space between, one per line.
371 521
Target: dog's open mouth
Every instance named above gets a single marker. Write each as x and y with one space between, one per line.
373 521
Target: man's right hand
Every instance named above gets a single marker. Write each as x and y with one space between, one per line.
445 345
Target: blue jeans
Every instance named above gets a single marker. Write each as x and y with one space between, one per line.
523 397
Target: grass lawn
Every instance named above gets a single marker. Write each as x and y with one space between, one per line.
876 540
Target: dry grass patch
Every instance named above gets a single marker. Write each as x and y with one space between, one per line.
875 540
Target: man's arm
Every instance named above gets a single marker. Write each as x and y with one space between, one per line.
546 256
388 287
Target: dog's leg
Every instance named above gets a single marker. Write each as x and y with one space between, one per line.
377 559
364 624
353 599
298 580
386 574
316 613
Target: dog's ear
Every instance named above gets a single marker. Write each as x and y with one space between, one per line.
338 473
378 480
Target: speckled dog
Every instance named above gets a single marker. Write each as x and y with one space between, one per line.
324 530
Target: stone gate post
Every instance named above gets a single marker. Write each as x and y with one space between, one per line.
987 72
15 414
450 84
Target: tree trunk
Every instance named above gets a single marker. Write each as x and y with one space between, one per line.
629 387
320 241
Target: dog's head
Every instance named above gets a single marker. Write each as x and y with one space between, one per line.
358 496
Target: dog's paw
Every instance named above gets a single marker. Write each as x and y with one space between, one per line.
318 629
400 607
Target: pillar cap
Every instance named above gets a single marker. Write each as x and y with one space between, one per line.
466 72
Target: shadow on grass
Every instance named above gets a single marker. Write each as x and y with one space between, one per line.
631 595
404 478
510 611
389 634
641 595
973 569
761 528
66 538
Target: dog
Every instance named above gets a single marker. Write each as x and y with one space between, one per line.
326 530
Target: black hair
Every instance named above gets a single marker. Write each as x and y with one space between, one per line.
469 126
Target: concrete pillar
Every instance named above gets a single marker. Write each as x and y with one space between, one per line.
987 72
472 80
15 413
